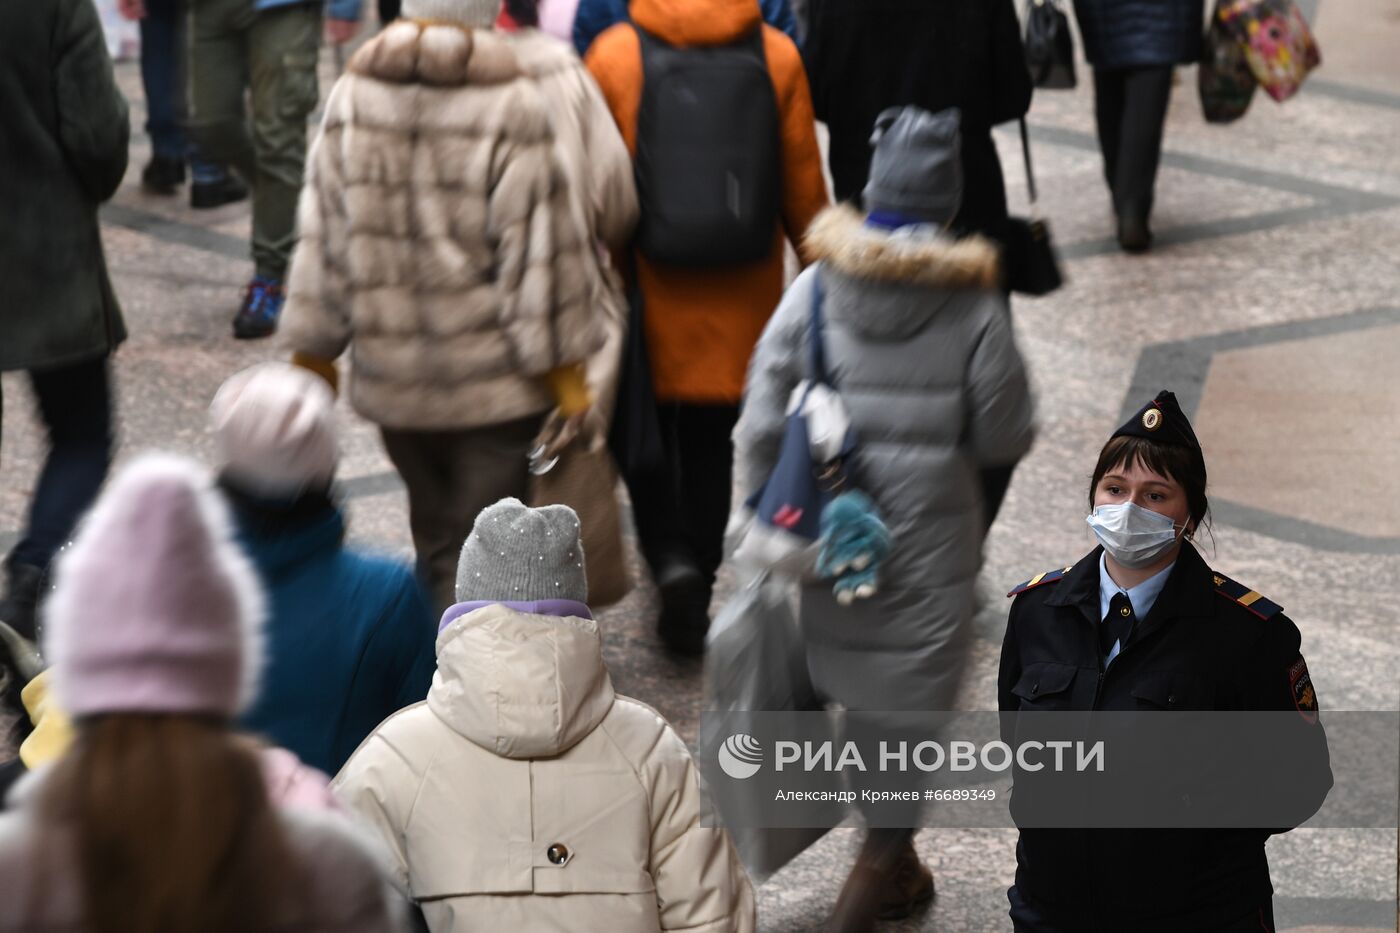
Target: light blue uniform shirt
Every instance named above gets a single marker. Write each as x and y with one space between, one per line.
1141 596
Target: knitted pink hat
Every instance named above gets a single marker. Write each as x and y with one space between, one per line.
155 608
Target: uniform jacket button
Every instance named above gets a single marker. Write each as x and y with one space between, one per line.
1171 699
557 854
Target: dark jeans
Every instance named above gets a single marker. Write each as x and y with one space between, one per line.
1131 107
165 80
681 512
76 406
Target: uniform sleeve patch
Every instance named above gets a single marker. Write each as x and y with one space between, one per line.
1040 579
1301 686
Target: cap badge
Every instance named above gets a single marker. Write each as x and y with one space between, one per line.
1152 419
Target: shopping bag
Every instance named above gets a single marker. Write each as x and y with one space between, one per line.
1224 79
1277 43
1049 46
755 661
584 478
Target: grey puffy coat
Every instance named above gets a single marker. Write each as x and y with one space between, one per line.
1135 33
919 343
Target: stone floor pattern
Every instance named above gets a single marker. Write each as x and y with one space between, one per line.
1271 305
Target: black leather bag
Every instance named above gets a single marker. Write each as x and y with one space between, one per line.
1049 46
1028 258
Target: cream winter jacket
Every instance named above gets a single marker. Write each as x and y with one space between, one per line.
524 795
438 240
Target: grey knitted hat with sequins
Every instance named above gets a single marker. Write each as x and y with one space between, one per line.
519 554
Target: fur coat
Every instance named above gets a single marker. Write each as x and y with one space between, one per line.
438 241
919 343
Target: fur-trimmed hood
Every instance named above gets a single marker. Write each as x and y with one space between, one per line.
436 54
840 238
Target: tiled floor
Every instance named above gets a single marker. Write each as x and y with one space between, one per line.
1269 307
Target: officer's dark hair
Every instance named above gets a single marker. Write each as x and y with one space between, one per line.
1182 464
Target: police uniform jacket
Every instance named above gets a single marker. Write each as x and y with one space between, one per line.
1206 643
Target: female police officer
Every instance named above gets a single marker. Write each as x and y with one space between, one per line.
1142 623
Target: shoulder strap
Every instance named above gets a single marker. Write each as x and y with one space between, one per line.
816 328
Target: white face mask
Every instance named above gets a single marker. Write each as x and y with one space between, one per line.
1133 536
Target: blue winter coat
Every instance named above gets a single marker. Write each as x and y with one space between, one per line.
595 16
1135 33
349 638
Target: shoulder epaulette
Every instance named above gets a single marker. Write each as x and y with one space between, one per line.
1040 579
1249 599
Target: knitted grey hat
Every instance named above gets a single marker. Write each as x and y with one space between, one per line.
917 165
519 554
478 14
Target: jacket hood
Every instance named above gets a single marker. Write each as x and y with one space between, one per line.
697 22
840 238
888 286
440 55
519 685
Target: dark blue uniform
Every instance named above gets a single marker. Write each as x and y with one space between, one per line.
1207 643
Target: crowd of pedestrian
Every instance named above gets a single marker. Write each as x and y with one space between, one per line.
527 248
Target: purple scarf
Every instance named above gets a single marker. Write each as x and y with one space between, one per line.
559 608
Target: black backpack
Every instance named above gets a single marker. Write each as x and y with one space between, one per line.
709 153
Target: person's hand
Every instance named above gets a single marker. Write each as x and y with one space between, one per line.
132 9
338 31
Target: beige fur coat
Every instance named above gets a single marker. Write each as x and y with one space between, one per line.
438 241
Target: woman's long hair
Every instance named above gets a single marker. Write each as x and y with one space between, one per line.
171 825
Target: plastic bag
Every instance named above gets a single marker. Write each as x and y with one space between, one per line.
756 661
1277 43
1225 81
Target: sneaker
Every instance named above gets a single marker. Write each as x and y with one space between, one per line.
162 175
262 304
210 194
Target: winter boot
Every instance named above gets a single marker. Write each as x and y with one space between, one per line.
908 885
162 175
19 608
685 607
262 305
210 194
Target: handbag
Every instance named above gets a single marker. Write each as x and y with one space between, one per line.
1030 265
583 478
1224 79
1049 46
1277 42
785 524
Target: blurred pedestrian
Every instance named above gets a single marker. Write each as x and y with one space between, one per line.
158 817
1142 623
164 79
252 86
1134 45
438 245
592 18
703 317
525 794
919 345
349 635
598 170
63 151
936 55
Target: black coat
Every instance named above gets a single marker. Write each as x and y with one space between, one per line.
63 151
864 56
1197 649
1134 33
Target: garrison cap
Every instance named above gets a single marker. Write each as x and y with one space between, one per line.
1163 421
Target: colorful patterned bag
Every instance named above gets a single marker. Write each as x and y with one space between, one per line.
1277 42
1224 79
